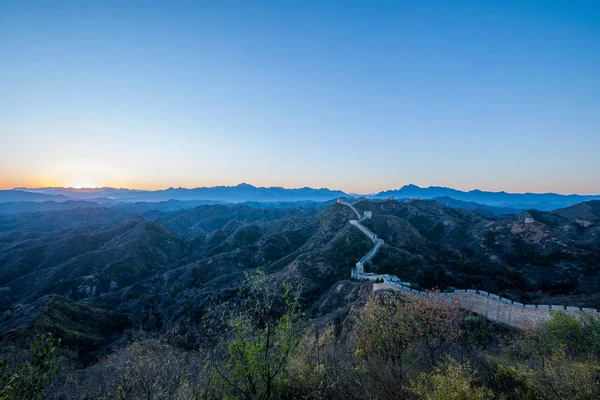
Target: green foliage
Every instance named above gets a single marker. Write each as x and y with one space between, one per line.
451 381
557 360
263 340
563 329
393 326
561 376
513 381
591 333
577 335
31 378
399 348
476 331
316 369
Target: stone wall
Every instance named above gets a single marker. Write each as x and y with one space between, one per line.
359 272
364 230
367 257
341 201
494 307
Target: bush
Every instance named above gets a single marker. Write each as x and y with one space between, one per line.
31 378
451 381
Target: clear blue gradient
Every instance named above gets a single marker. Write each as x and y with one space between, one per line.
359 96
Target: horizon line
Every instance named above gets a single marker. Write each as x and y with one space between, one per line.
350 193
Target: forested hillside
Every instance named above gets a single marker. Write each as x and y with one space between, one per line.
120 287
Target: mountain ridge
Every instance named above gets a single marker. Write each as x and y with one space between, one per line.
238 193
540 201
487 202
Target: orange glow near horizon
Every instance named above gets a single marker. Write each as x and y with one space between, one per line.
83 183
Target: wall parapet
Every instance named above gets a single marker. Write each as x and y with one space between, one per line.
511 313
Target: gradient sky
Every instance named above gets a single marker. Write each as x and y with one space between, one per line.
353 95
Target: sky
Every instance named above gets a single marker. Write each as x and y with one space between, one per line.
360 96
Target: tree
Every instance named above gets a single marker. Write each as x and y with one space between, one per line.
319 369
266 331
562 377
563 330
579 336
30 380
150 369
381 329
475 332
510 381
392 325
436 322
451 381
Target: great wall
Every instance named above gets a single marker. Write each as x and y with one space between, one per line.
494 307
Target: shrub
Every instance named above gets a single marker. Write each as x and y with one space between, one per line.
31 378
451 381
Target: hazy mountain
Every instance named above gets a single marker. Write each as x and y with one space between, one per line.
540 201
240 193
36 206
276 197
482 209
62 219
15 195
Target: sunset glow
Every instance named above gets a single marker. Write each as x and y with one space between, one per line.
363 98
82 186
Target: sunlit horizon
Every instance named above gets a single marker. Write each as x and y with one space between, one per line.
88 186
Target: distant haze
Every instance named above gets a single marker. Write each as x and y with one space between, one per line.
501 202
360 96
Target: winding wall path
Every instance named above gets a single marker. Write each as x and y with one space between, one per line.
494 307
359 271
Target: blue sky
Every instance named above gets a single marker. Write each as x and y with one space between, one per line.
353 95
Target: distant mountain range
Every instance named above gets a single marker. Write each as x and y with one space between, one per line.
523 201
486 203
29 195
233 194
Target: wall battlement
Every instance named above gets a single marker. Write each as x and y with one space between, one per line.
495 307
